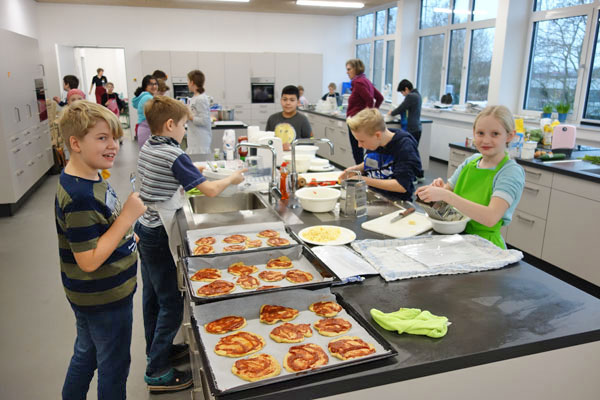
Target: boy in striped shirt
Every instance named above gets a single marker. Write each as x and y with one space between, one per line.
162 168
97 250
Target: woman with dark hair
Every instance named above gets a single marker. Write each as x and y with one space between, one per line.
142 95
199 136
161 78
364 95
100 81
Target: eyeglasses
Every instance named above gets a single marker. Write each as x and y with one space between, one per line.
153 84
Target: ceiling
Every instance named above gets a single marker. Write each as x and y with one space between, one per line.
275 6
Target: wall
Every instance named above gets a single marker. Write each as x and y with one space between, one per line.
19 16
136 29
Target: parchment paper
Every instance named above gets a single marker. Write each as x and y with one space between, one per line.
249 308
250 230
259 259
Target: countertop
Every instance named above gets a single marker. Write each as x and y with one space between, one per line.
342 117
496 315
575 168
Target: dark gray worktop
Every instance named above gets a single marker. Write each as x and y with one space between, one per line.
342 117
575 168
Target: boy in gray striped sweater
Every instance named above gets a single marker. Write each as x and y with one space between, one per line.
163 167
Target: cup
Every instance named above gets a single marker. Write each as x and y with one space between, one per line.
253 164
528 150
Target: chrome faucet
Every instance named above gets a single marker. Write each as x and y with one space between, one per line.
273 183
294 174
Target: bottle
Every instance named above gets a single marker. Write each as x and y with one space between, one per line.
283 181
217 154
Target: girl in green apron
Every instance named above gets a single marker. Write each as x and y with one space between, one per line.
487 186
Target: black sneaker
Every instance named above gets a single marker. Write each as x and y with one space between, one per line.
179 351
174 381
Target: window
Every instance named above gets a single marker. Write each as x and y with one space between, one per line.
541 5
391 22
554 62
429 79
457 49
434 13
364 26
380 23
592 104
485 9
461 11
480 62
378 65
363 52
389 70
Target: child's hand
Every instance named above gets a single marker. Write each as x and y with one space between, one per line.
438 182
134 207
345 173
432 193
287 147
237 176
201 168
56 99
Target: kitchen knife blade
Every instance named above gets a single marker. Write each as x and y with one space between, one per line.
403 214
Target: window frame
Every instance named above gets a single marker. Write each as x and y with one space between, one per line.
446 30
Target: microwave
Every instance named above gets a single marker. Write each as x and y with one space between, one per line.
262 90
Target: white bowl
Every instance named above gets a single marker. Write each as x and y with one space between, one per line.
319 162
307 149
449 227
221 174
302 161
318 199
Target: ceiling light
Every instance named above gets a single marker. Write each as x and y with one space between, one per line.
234 1
341 4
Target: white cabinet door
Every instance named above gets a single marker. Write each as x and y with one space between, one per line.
262 65
572 231
153 60
237 82
311 76
286 71
183 62
213 67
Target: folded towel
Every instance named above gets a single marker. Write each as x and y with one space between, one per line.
413 321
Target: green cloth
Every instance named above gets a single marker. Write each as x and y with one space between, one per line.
413 321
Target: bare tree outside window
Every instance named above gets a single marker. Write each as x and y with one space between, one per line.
389 66
363 52
541 5
432 14
480 63
554 61
457 48
378 64
429 77
364 26
592 104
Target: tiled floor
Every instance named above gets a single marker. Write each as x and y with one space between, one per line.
38 327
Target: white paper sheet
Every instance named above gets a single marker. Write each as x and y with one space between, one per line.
343 261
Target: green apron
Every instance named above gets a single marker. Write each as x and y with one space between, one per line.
476 184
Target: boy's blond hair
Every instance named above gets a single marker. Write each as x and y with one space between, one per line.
160 109
367 121
501 113
78 118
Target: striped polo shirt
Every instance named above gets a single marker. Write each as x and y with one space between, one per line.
162 167
84 211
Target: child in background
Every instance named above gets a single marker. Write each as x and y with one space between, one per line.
199 135
98 256
69 82
289 124
163 168
111 100
74 95
303 102
142 95
332 93
487 186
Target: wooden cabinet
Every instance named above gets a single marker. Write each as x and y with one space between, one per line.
455 158
213 67
526 232
237 82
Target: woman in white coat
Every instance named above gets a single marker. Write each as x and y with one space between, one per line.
199 135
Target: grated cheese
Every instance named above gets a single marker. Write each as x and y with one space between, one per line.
322 234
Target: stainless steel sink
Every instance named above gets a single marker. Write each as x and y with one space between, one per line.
595 171
237 202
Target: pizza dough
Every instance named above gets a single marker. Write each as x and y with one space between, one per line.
239 344
203 249
234 247
206 275
267 287
297 276
305 356
253 243
235 239
268 233
248 282
325 308
290 333
206 240
256 367
348 347
225 324
216 288
282 262
332 326
272 314
277 241
271 276
240 269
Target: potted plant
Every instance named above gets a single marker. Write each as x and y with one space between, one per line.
562 109
547 111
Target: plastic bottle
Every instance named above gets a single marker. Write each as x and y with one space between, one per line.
283 181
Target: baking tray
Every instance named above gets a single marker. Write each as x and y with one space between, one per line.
304 259
217 369
250 230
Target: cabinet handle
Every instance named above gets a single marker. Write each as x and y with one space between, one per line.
40 155
29 110
533 173
30 163
20 172
454 165
18 114
531 189
14 139
529 221
26 133
28 143
15 151
457 153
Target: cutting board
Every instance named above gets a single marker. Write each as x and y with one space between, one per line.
399 229
321 176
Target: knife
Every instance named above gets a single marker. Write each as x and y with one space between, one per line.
403 214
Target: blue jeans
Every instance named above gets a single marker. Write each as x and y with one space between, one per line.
161 299
103 342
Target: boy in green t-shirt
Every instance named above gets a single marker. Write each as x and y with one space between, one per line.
98 256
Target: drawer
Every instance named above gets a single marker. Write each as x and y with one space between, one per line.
539 176
458 156
534 200
578 187
452 166
526 232
17 157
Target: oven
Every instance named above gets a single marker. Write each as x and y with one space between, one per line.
262 90
181 91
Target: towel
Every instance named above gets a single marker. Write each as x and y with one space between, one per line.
413 321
